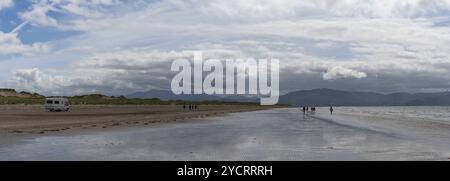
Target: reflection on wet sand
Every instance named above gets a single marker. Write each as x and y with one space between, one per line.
280 134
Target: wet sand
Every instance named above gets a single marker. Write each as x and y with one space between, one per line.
16 120
276 134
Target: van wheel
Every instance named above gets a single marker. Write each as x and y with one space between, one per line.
51 110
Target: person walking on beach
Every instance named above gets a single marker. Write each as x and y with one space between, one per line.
331 109
184 106
196 107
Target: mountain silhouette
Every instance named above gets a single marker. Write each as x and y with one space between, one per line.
327 97
169 95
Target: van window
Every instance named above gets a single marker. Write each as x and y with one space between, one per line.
49 102
56 102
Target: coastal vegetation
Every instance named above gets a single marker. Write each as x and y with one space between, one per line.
12 97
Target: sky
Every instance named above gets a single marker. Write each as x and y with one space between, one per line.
115 47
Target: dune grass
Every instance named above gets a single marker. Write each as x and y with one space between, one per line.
18 100
104 100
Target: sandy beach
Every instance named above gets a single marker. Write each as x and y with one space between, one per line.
19 119
271 134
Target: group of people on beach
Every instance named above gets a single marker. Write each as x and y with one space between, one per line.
306 108
192 107
313 109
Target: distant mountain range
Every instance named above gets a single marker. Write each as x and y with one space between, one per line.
318 97
168 95
326 97
315 97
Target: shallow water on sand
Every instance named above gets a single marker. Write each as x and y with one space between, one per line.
281 134
431 124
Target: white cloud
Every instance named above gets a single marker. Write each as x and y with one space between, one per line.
118 72
36 80
39 13
10 45
282 9
383 41
6 4
342 72
113 73
325 45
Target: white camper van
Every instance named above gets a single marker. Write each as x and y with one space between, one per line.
57 104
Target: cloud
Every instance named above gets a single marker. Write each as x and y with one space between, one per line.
121 72
11 45
127 46
342 72
39 14
36 80
6 4
325 45
286 9
112 73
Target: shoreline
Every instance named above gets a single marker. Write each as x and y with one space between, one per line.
17 120
270 134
